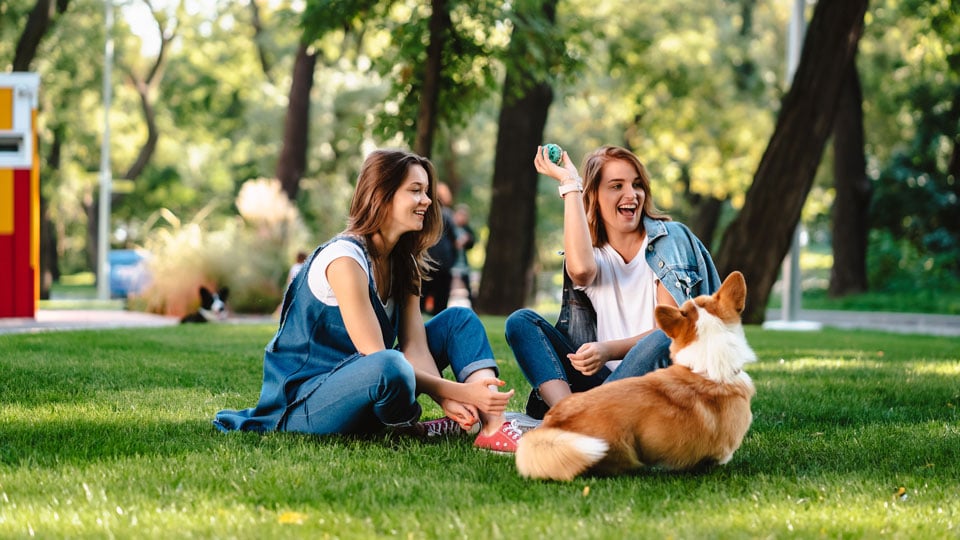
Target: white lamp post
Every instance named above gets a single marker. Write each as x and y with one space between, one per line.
106 178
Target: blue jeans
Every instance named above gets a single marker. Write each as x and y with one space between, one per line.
541 350
366 393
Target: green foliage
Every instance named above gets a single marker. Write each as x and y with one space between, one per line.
675 82
693 87
901 280
323 16
915 78
250 254
896 264
394 36
107 433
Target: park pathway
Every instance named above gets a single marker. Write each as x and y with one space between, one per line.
906 323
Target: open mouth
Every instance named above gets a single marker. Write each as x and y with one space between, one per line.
627 210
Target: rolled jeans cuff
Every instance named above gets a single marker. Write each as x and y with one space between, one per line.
477 365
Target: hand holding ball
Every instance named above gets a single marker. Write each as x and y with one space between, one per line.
554 153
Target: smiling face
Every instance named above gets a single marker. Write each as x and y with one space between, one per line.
410 203
620 197
616 193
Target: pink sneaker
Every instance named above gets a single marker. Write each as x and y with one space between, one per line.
504 441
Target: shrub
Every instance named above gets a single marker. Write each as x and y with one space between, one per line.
250 253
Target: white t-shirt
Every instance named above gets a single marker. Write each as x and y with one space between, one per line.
317 276
623 294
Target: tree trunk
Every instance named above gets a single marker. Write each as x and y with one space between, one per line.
258 37
507 277
49 256
705 218
429 95
38 22
759 238
153 135
851 210
293 155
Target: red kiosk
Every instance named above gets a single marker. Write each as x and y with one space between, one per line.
19 195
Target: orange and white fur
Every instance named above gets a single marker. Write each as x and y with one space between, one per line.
691 414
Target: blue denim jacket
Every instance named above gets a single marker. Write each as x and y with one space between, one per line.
678 258
310 343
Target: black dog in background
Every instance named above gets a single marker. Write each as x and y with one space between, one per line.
213 306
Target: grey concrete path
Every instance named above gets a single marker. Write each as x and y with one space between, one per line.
91 319
908 323
902 323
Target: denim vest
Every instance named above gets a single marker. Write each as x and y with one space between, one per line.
310 343
679 260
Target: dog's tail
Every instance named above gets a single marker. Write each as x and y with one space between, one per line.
555 454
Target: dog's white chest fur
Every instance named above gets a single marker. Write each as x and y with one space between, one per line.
720 350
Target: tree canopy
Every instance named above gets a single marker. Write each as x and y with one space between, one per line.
695 88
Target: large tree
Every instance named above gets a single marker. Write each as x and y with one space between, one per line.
507 277
851 208
38 22
439 26
296 128
760 236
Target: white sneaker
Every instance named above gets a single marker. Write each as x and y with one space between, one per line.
523 422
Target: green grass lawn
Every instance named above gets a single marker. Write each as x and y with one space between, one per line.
108 434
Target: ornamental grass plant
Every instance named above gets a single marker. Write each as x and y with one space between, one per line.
108 434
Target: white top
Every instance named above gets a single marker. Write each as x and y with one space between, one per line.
317 276
623 294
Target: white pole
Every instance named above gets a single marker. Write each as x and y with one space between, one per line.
792 287
106 179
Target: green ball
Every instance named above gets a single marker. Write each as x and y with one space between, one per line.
554 153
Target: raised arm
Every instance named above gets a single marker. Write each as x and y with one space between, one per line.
577 244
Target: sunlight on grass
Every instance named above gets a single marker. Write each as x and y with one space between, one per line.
108 434
804 364
936 368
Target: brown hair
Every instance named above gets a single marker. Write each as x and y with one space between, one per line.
592 171
382 174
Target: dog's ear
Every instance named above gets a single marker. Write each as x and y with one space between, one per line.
733 292
206 297
223 293
669 319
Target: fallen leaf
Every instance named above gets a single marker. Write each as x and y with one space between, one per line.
291 518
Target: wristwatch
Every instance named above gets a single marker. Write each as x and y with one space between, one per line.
574 185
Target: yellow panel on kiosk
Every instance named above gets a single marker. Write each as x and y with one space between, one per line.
6 108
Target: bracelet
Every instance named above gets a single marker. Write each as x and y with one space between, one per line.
570 187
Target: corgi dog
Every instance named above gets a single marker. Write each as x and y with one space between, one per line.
692 414
213 306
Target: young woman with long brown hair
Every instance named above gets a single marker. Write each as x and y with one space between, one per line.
352 351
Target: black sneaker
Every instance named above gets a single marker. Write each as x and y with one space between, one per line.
441 427
536 407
